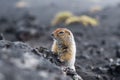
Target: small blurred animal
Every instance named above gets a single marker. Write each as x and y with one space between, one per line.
64 46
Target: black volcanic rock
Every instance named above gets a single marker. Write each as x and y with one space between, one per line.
19 62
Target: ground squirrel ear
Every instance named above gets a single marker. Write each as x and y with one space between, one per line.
68 32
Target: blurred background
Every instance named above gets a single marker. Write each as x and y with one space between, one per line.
17 15
46 10
94 23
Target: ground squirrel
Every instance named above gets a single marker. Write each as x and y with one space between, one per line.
64 46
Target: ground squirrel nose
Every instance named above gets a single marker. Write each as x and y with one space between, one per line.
52 34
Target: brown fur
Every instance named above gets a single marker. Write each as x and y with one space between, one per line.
62 44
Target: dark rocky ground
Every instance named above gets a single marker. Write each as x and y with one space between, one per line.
98 48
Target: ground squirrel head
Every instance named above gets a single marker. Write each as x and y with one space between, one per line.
62 34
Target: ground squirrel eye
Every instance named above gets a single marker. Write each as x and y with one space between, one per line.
61 32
